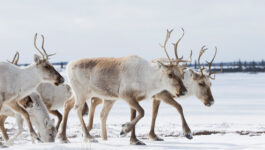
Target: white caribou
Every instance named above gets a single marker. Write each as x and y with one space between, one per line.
130 78
17 83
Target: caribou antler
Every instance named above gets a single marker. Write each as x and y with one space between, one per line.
176 46
44 55
165 44
203 49
210 65
15 59
35 38
178 60
42 46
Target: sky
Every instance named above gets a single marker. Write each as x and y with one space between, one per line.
75 29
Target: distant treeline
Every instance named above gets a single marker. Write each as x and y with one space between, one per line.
236 66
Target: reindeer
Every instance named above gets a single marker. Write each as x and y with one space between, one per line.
53 97
38 115
197 84
14 88
130 78
108 104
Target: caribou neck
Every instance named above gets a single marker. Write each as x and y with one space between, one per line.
187 81
29 79
158 81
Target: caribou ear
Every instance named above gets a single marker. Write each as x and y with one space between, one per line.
37 59
191 72
194 75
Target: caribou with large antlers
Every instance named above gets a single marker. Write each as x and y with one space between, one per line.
178 70
17 83
197 85
130 78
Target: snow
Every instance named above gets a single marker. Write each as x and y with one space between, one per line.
239 109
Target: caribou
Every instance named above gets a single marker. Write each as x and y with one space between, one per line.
39 117
53 98
38 113
197 84
130 78
17 83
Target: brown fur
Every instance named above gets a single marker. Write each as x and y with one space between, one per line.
26 102
101 62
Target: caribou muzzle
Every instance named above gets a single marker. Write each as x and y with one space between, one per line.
59 81
210 102
183 91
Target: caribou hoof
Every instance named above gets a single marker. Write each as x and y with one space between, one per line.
122 133
125 129
62 140
137 142
3 146
90 140
39 140
10 142
157 139
188 136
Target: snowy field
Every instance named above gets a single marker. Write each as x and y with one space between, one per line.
235 121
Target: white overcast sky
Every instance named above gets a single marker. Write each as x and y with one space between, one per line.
113 28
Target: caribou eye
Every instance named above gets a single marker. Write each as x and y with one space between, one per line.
201 84
170 75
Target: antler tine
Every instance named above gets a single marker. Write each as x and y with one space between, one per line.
14 58
190 55
189 60
210 65
165 44
203 49
42 46
17 58
176 47
35 38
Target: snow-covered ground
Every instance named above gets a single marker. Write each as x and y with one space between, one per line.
235 121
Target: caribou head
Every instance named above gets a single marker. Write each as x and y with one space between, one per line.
201 82
175 71
46 70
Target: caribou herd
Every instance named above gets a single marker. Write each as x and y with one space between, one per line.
33 92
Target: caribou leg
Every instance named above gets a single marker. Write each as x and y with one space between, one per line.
152 135
133 139
79 104
127 127
68 105
59 117
19 121
107 105
168 99
93 104
2 127
15 107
